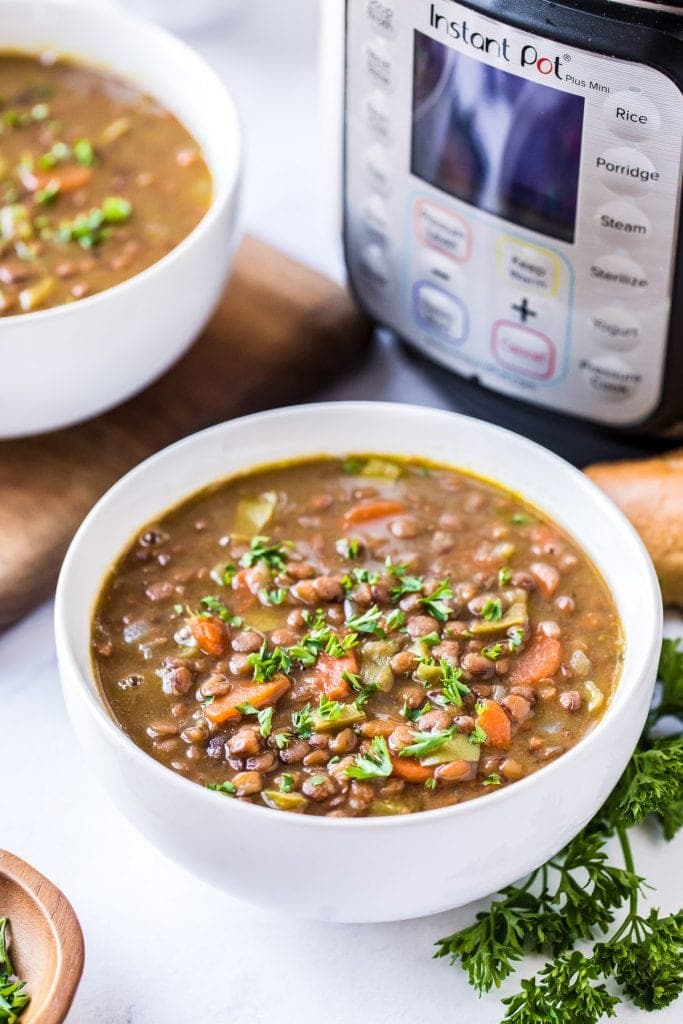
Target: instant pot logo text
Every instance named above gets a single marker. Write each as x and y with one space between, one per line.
500 47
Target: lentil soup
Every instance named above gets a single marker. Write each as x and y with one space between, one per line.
367 636
97 182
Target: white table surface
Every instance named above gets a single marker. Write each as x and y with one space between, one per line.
162 947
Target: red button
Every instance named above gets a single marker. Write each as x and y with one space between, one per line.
523 350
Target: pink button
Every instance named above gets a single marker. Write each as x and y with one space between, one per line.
523 350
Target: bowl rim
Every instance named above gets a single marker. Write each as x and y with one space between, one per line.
227 183
645 645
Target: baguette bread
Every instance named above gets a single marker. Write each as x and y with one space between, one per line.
650 493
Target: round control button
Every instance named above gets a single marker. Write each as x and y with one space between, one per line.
630 115
377 116
377 170
375 265
627 171
382 16
378 65
375 217
617 271
615 328
622 220
610 377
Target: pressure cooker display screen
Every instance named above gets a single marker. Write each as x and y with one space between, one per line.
495 140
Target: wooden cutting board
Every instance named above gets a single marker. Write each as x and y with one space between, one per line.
280 331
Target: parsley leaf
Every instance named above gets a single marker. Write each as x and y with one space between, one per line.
435 603
226 788
427 742
273 555
367 623
13 995
375 764
302 722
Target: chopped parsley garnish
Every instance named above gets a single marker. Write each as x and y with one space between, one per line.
273 597
282 739
267 663
329 709
491 780
431 639
477 736
318 780
520 519
214 606
368 622
348 548
395 620
504 575
227 788
453 689
493 651
427 742
265 721
246 708
435 603
430 783
374 764
407 584
338 646
492 610
515 638
84 153
286 782
273 555
302 722
352 465
412 714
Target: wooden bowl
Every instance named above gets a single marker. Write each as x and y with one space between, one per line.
47 943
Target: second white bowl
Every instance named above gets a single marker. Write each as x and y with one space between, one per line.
65 364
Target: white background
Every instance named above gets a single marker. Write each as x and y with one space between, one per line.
163 948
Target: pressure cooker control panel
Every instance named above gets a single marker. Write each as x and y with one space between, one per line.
512 204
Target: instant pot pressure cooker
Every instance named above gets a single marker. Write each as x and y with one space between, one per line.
512 199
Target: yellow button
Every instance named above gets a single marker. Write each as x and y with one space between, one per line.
528 266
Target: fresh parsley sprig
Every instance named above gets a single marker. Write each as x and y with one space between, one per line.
13 995
576 896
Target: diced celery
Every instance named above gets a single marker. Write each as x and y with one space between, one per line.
458 748
430 675
381 469
114 130
253 514
375 657
265 617
283 801
596 697
383 807
348 715
516 615
420 648
36 294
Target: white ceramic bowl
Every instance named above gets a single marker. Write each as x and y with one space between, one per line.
366 869
65 364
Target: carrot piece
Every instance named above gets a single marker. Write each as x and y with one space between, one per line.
224 709
411 771
66 179
543 658
210 633
369 510
496 724
329 673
